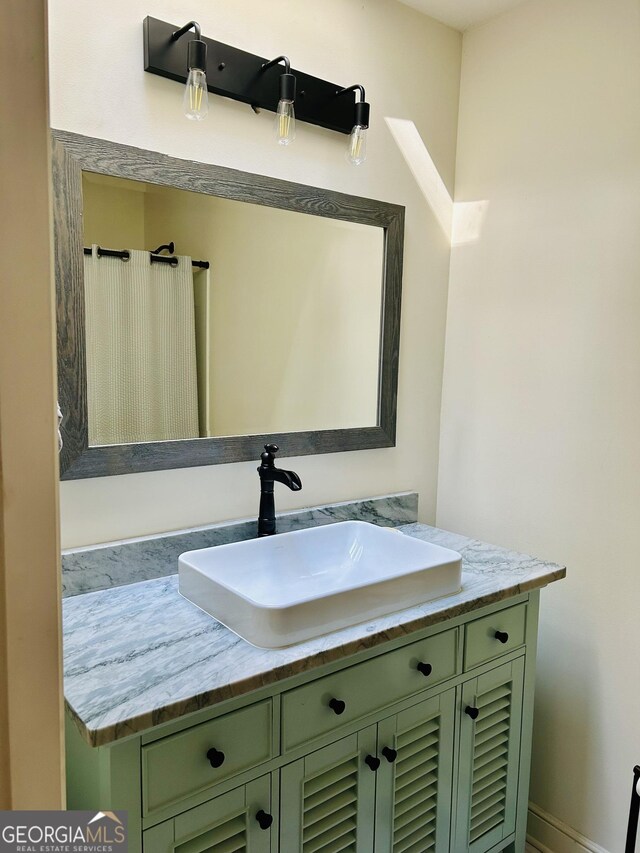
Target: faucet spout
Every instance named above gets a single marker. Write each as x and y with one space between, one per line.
269 475
287 478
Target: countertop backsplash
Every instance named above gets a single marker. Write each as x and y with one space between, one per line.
119 563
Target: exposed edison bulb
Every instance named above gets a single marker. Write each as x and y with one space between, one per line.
285 124
356 152
196 96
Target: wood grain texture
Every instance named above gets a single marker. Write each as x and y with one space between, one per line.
70 313
71 155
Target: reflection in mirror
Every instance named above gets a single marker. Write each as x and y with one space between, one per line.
281 333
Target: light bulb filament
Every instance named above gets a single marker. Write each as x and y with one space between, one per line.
356 145
285 124
195 97
356 152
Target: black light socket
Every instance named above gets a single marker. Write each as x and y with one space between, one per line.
287 87
361 115
197 55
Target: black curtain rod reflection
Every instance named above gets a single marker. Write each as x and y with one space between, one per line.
155 259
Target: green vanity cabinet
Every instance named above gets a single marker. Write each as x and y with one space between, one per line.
418 745
226 824
176 767
489 757
386 787
327 798
414 781
368 687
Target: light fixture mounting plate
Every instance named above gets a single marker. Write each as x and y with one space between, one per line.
236 74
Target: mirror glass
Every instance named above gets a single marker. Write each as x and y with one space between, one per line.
281 333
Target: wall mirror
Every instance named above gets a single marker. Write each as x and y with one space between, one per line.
204 311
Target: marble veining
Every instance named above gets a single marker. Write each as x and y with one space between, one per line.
117 563
139 655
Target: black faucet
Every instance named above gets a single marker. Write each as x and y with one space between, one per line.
269 474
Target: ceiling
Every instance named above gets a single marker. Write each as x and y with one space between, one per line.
461 14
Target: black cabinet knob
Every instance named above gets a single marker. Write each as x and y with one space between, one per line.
390 754
472 712
372 762
502 636
264 820
425 668
216 757
337 706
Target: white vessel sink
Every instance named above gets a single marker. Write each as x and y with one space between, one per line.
280 590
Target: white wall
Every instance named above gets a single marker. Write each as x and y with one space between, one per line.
541 412
410 66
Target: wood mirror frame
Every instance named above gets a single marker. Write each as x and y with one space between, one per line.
73 154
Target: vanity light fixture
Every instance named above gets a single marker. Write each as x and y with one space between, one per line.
256 81
196 96
285 124
356 152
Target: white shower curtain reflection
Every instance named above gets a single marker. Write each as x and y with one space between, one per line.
141 356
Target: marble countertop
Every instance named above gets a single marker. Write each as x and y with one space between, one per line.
139 655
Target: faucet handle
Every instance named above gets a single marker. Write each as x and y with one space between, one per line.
267 456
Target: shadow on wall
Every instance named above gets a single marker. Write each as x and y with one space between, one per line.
461 221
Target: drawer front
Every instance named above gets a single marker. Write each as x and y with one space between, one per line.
178 767
316 709
226 823
492 636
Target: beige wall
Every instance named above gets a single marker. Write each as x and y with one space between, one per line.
98 88
113 213
30 681
294 312
541 412
5 753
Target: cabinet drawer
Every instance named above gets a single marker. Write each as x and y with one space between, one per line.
226 823
494 635
178 767
310 711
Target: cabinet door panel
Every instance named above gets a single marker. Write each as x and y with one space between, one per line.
489 757
327 798
413 795
226 824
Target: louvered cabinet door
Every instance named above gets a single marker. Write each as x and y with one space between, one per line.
226 824
489 757
413 795
327 798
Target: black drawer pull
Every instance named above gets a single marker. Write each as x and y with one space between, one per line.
264 820
216 758
472 712
372 762
502 636
337 706
425 668
390 754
